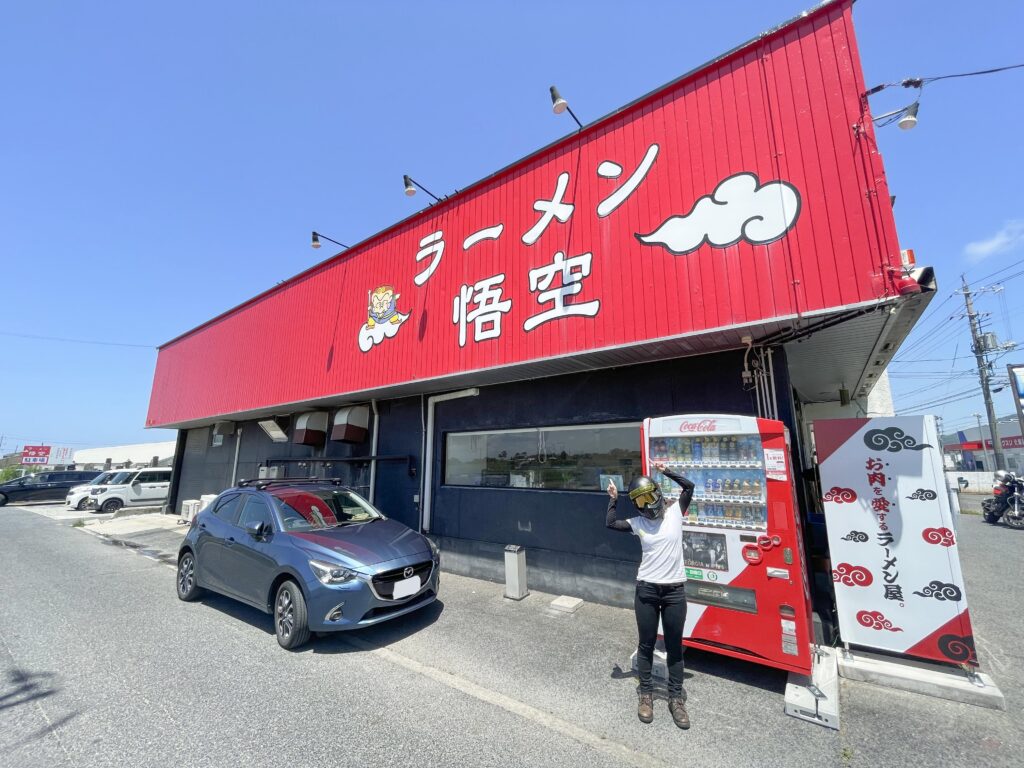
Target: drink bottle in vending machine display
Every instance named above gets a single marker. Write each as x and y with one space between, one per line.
747 586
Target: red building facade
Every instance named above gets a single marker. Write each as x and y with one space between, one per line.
725 244
744 195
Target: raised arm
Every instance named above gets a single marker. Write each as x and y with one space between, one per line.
610 521
686 494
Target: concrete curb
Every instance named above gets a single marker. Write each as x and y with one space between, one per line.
134 511
915 677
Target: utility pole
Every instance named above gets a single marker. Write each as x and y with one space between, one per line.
979 349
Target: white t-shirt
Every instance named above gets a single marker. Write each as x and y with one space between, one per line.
662 544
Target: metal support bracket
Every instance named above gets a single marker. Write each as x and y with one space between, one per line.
816 698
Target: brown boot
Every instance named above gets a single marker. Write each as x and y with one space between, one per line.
678 709
645 711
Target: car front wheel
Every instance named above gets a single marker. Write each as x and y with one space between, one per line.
111 505
188 590
3 499
83 504
290 622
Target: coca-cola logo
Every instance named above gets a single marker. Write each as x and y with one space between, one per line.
704 425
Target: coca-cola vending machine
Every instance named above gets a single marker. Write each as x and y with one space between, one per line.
747 585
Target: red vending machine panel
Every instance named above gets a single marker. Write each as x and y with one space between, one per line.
747 588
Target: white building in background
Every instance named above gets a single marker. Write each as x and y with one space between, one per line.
119 456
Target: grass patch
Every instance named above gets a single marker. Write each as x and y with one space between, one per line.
78 524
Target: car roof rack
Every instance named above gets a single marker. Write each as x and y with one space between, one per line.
262 483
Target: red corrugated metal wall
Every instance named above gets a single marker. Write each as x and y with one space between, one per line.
781 108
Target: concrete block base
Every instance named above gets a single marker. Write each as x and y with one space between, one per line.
816 698
659 666
566 604
921 677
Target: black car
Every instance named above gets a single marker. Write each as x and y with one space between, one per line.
43 486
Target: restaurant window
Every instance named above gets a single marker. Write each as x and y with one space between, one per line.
579 458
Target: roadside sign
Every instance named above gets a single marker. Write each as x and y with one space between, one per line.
892 538
62 455
35 454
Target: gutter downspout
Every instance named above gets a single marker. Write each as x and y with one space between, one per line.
428 458
234 466
373 452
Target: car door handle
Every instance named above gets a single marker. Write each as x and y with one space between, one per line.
230 541
203 526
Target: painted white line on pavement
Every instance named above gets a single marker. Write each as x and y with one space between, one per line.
601 743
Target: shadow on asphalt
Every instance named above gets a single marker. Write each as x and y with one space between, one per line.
734 670
381 635
25 687
370 638
44 731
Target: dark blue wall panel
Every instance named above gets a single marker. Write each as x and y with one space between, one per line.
573 521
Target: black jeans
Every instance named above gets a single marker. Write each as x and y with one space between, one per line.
668 602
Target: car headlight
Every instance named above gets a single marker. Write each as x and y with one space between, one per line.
434 550
331 573
98 491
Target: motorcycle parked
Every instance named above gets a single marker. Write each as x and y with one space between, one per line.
1007 502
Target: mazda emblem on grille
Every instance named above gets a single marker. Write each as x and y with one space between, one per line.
408 571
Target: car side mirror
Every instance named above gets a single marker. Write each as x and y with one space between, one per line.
256 529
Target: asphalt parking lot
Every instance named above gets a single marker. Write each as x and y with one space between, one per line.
476 679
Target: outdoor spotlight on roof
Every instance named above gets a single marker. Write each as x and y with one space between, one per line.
560 105
315 243
905 281
909 119
411 184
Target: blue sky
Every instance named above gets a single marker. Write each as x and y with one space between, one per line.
162 162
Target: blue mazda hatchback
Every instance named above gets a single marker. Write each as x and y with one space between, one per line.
315 554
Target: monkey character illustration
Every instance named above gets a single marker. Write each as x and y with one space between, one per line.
382 306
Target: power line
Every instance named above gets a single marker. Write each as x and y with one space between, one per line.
31 441
920 82
972 74
934 400
927 340
76 341
950 380
932 359
932 405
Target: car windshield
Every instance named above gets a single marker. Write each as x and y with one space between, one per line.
305 509
119 479
101 478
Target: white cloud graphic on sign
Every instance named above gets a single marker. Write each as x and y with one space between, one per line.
740 208
369 336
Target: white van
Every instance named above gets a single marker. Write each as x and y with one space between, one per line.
78 497
132 488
